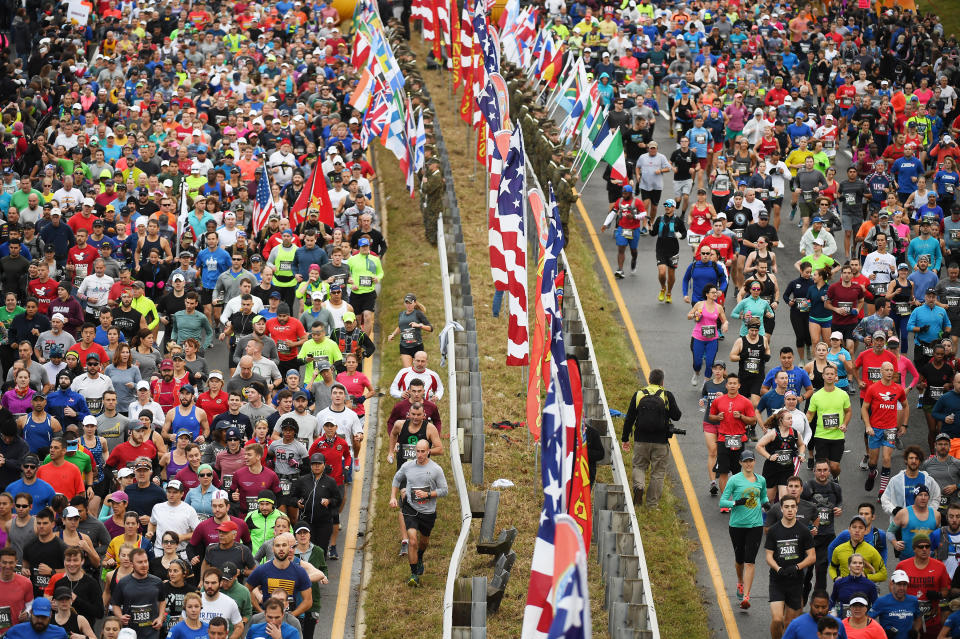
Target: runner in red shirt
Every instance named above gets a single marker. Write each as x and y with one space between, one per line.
84 219
732 412
43 288
844 299
289 335
926 575
867 367
885 413
214 401
139 445
166 389
80 258
718 241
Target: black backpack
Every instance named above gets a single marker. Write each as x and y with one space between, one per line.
651 410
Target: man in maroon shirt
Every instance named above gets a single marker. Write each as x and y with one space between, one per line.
844 300
206 532
417 394
249 481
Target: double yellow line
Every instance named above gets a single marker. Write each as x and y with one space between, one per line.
716 576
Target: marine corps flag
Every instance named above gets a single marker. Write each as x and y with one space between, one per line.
579 502
313 197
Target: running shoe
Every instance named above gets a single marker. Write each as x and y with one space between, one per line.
662 295
356 465
695 379
811 462
633 267
714 488
643 230
618 275
332 554
865 463
745 603
414 581
403 547
669 298
871 480
724 511
739 592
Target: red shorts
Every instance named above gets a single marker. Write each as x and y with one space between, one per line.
702 163
710 428
717 146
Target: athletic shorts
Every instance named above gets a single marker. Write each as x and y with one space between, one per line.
683 187
710 427
776 473
850 222
825 323
702 163
903 197
831 449
746 543
670 261
421 522
206 296
846 329
775 201
653 196
632 242
751 385
363 302
732 135
411 350
728 461
847 113
879 438
790 592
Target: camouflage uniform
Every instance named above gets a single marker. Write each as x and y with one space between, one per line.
431 199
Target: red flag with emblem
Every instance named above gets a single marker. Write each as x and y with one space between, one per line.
313 197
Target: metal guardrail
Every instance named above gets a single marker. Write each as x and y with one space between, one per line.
455 464
628 596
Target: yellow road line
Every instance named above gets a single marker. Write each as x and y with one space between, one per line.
353 522
716 576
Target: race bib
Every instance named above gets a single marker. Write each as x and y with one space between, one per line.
787 551
948 188
694 240
784 458
6 617
251 503
927 350
675 260
902 308
40 581
926 608
227 481
738 233
700 139
890 434
828 144
953 301
847 306
408 335
831 420
955 235
802 304
285 485
936 392
286 266
752 365
944 500
807 196
626 234
873 374
95 404
733 442
140 615
282 347
366 281
878 289
850 199
824 514
708 331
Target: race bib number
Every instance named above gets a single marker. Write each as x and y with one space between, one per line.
752 365
285 485
873 374
408 452
955 235
40 581
824 514
846 306
6 617
738 233
408 335
700 138
251 503
948 188
831 420
694 240
627 234
95 404
286 266
878 289
366 281
902 308
890 434
282 347
926 608
227 481
733 442
674 260
850 199
802 304
784 458
953 301
743 168
708 332
944 500
927 350
936 392
828 144
807 196
140 615
787 551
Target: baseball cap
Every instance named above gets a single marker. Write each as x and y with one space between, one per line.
229 570
215 375
119 495
900 577
228 526
41 607
90 419
302 525
318 458
316 295
836 335
232 433
879 335
143 385
363 241
184 431
349 316
167 363
174 484
124 472
861 601
71 511
857 518
942 436
747 454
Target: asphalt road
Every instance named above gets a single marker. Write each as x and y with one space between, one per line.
349 568
665 335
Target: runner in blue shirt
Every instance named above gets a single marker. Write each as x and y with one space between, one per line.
898 612
906 170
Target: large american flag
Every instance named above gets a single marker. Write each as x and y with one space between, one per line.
513 247
263 206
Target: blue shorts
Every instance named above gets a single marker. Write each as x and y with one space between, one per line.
825 323
846 113
879 439
633 242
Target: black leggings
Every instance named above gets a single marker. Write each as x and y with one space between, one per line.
746 543
800 322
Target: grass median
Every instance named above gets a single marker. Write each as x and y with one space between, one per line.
511 456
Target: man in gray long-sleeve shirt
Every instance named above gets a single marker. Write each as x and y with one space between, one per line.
189 323
422 481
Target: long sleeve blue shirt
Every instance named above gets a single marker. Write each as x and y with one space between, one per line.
905 169
929 247
948 404
698 275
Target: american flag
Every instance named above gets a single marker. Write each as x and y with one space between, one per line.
263 205
558 411
513 247
571 597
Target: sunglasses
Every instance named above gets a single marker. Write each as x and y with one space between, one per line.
23 505
205 475
28 466
922 546
169 541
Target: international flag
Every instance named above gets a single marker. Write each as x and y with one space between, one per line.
263 206
510 211
551 70
360 97
490 107
488 43
361 50
313 197
605 147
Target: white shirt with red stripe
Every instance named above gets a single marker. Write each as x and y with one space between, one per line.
431 381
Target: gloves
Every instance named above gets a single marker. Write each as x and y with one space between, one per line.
358 399
933 595
787 572
293 463
740 502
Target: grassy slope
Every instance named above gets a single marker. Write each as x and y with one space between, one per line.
411 265
947 10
